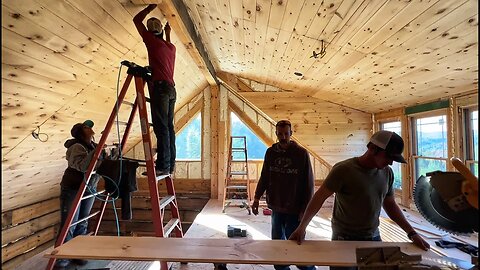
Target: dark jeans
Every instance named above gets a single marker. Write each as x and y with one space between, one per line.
342 237
283 226
67 196
163 97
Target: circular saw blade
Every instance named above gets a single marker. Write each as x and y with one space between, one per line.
434 209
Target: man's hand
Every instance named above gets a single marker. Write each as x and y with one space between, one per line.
419 242
151 7
298 235
167 29
255 202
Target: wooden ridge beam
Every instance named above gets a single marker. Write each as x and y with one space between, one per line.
177 15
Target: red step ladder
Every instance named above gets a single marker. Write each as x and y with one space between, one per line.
174 226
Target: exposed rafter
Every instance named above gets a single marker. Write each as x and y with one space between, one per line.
177 15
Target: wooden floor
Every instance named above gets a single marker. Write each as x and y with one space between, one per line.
212 223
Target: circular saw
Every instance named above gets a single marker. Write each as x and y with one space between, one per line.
449 200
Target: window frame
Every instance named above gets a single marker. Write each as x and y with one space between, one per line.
468 151
380 124
414 141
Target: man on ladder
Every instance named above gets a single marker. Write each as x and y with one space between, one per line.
161 58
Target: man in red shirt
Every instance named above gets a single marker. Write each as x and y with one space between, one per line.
161 58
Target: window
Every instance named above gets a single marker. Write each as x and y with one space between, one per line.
397 172
255 147
429 144
189 141
471 139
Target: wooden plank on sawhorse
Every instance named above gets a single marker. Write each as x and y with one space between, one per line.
238 251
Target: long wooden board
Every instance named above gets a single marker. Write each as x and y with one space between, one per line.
240 251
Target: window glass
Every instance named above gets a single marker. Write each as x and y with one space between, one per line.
432 136
189 141
397 172
255 147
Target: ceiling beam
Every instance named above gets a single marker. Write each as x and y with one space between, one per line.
176 14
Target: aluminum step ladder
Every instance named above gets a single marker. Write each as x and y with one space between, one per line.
236 191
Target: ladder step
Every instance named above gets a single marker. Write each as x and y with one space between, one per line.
234 202
239 149
147 99
127 103
170 226
91 195
85 218
238 173
122 123
161 177
236 187
166 200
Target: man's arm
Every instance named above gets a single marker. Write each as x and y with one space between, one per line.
138 19
310 185
312 208
167 30
394 212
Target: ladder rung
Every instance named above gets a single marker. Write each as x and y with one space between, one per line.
238 160
85 218
166 200
147 99
122 123
170 226
161 177
91 195
238 173
127 103
235 202
236 187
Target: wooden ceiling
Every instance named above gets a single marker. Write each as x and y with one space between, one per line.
379 54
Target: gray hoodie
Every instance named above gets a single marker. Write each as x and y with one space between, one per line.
78 156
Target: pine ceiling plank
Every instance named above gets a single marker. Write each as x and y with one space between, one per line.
239 41
419 24
277 11
31 79
292 12
399 21
342 16
249 10
205 22
308 12
21 45
105 21
49 20
31 31
14 59
294 44
236 9
280 47
270 47
374 23
120 14
303 59
249 37
357 20
326 10
261 22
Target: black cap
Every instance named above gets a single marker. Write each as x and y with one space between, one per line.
77 129
391 142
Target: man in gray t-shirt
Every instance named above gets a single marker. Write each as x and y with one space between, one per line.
362 185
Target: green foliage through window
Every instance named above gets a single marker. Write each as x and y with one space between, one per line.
397 172
189 141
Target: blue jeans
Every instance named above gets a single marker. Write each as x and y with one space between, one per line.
162 105
283 226
67 196
343 237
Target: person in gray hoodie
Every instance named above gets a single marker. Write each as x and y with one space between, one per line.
80 150
287 179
